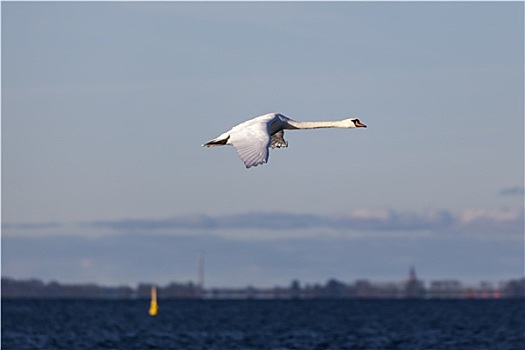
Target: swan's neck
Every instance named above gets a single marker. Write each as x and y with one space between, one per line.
317 125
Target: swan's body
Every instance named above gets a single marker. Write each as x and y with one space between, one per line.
253 138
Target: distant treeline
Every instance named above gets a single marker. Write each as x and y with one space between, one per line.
35 288
412 288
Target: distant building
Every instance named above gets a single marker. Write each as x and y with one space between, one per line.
514 289
446 289
414 288
295 289
335 289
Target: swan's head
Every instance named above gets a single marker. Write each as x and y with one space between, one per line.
355 123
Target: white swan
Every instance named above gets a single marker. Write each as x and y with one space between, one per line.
252 138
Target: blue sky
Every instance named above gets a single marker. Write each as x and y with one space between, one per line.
105 106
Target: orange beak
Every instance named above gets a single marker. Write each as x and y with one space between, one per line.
359 124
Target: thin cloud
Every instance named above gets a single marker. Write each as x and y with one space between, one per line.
498 221
254 220
512 191
31 225
484 221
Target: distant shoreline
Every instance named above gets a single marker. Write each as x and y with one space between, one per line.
333 289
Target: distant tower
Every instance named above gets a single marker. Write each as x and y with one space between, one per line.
200 278
412 274
413 287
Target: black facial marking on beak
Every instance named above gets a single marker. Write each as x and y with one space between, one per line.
358 124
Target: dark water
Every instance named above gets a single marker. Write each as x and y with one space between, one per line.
229 325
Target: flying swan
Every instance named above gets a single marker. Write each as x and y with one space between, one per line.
253 138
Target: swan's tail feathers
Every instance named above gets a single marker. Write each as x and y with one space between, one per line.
216 142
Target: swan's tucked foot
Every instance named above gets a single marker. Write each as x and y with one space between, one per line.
278 140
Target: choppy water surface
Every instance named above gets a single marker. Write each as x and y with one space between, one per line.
264 325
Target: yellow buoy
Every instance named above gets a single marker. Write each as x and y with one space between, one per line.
154 307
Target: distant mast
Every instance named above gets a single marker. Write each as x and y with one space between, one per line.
200 275
154 307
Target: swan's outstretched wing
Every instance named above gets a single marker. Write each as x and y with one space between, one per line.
251 140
